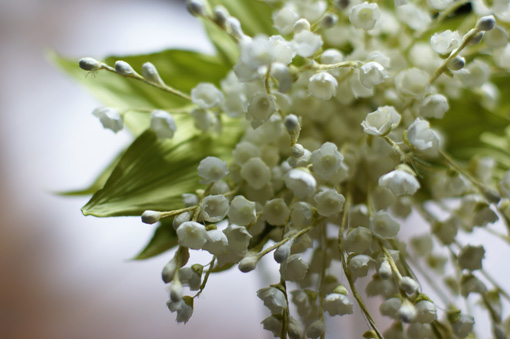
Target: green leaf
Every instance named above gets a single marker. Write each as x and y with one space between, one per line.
180 69
153 174
255 17
164 239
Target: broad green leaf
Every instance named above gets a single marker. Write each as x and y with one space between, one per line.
255 17
182 70
164 239
153 174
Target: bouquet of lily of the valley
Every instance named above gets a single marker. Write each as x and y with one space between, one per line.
313 133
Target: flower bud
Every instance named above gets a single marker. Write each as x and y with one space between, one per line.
322 85
168 271
297 151
221 15
206 96
176 291
163 124
486 23
151 217
248 263
123 68
306 43
292 125
212 169
384 270
406 312
456 63
315 329
195 7
150 73
300 182
89 64
409 285
328 20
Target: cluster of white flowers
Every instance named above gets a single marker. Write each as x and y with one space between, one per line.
341 145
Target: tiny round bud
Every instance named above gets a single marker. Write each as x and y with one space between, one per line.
476 38
123 68
248 263
329 20
195 7
168 271
301 25
385 270
291 123
89 64
297 151
151 217
282 253
409 285
176 291
456 63
150 73
486 23
221 15
407 312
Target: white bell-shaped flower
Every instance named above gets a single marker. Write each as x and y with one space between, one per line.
383 225
422 137
285 18
400 182
183 308
415 17
163 124
379 122
331 56
204 120
322 85
390 306
192 234
426 311
256 52
242 211
110 118
329 202
283 50
282 253
294 268
261 106
463 326
301 214
212 169
276 212
470 257
434 106
206 96
191 276
407 312
216 242
244 151
337 304
272 324
372 73
445 42
316 329
273 298
300 182
306 43
256 173
412 82
358 239
496 38
359 265
477 73
180 218
326 161
357 88
365 15
214 208
408 285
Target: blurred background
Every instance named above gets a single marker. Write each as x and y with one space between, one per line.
63 275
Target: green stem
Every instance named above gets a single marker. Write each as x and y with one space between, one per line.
206 277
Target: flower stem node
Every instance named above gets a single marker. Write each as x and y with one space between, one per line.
123 68
486 23
151 217
89 64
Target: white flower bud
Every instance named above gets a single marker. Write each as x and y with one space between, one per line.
486 23
191 234
406 312
216 242
412 82
276 212
291 123
306 43
214 208
242 211
261 106
212 169
445 42
233 26
191 276
176 291
426 311
337 304
221 16
150 73
256 173
285 18
329 202
434 106
390 306
300 182
470 257
163 124
409 285
463 326
328 20
496 38
151 217
123 68
180 218
456 63
195 7
331 56
322 85
283 50
372 73
169 271
294 268
206 96
89 64
439 4
189 199
365 15
326 161
422 137
110 118
244 151
183 307
272 324
384 270
297 151
358 239
301 25
273 298
315 329
359 265
248 263
400 182
301 214
282 253
383 225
